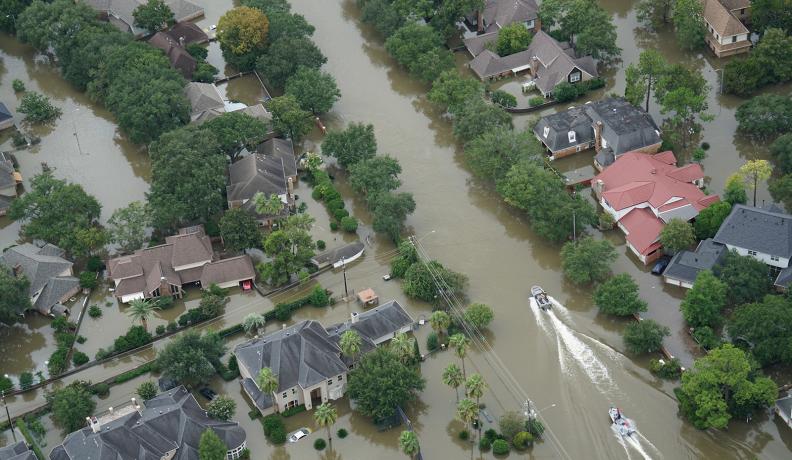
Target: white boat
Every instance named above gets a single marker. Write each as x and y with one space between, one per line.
622 424
539 295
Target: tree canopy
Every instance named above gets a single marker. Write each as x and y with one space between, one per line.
191 357
239 230
419 48
235 130
153 16
373 176
618 295
419 281
689 23
353 144
587 260
764 116
288 118
645 336
492 154
285 55
71 405
127 226
289 248
14 296
513 38
452 91
211 447
710 219
242 33
38 108
769 63
677 235
746 278
390 210
477 117
315 91
767 326
704 301
585 24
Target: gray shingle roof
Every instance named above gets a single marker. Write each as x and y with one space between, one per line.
17 451
6 172
377 323
757 230
55 291
205 100
559 124
42 266
625 127
258 173
223 271
283 149
5 114
686 265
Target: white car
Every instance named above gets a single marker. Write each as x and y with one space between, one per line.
299 434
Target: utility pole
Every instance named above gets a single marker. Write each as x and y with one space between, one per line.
8 414
346 291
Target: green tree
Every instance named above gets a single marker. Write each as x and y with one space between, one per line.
14 296
141 310
479 315
382 16
645 336
677 235
390 211
704 301
475 386
503 99
407 256
767 326
655 13
242 33
765 116
421 281
618 295
213 300
781 151
460 344
38 108
147 390
710 219
268 382
773 54
477 117
452 376
153 16
253 322
439 320
284 56
467 412
513 38
511 423
374 176
682 94
239 230
211 447
87 49
771 13
635 87
127 226
289 248
236 130
419 48
52 24
315 91
11 11
734 192
55 211
288 118
452 91
450 12
722 385
287 25
746 278
221 408
190 358
585 24
781 190
268 205
71 405
402 346
742 76
587 261
350 343
754 171
651 66
353 144
325 415
689 23
380 382
408 443
492 154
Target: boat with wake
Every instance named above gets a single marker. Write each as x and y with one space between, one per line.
623 425
541 298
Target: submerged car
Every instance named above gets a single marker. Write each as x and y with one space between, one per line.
208 393
661 265
299 434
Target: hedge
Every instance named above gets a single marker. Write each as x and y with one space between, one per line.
23 428
129 375
293 410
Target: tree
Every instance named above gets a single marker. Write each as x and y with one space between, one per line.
452 91
618 295
767 326
754 171
723 384
477 117
45 24
746 278
284 56
734 192
781 151
153 16
71 405
407 256
288 118
765 116
190 358
141 310
382 16
450 12
147 390
651 66
268 205
236 130
710 219
492 154
242 33
655 13
439 320
422 281
239 230
467 412
221 408
587 261
511 423
211 447
127 226
390 211
402 346
704 301
689 23
635 87
771 13
267 382
408 442
452 376
513 38
460 344
38 108
585 24
479 315
742 76
503 99
253 322
682 92
54 210
350 343
14 296
315 91
289 248
213 300
419 48
380 382
677 235
325 415
374 176
645 336
475 386
355 143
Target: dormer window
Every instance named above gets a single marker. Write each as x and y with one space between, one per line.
571 135
546 131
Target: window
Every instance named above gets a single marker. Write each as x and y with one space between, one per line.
340 377
734 39
774 258
284 395
751 253
330 382
546 131
604 143
571 136
530 24
294 391
574 77
742 11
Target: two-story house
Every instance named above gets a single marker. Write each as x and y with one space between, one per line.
642 192
306 357
497 14
727 34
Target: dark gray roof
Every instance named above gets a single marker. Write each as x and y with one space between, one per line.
625 127
6 172
784 278
605 157
42 267
282 149
757 230
5 114
256 173
785 406
17 451
335 255
171 420
686 265
374 324
559 124
262 400
54 292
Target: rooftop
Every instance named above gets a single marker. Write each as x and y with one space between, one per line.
17 451
334 256
686 265
757 229
719 16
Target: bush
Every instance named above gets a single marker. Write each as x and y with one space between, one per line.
88 280
432 342
319 297
503 99
164 302
523 440
80 339
536 100
101 389
79 358
706 337
25 380
293 411
335 204
94 264
485 444
500 447
670 370
18 139
535 427
94 311
129 375
160 329
349 224
342 433
606 221
464 435
321 245
171 326
333 227
491 434
705 146
320 444
18 85
274 429
340 213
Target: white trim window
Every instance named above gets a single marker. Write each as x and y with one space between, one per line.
571 136
574 77
546 131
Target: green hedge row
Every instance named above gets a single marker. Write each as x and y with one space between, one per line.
325 190
129 375
23 428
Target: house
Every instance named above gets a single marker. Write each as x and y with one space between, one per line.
185 258
17 451
187 33
50 276
725 20
500 13
179 58
306 358
205 100
9 180
642 192
685 266
783 408
270 173
611 126
168 426
120 12
6 117
547 61
339 256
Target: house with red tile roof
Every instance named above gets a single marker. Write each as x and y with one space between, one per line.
643 192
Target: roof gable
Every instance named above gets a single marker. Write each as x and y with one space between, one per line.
757 230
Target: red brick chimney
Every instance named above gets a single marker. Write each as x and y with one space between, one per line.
598 136
480 21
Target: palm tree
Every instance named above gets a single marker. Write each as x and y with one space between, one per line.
460 344
408 441
467 412
439 320
452 376
325 415
253 322
475 386
268 383
350 344
141 309
403 346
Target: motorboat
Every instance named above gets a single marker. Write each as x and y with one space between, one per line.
539 295
622 424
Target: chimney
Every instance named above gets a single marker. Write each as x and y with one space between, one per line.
598 186
93 422
181 42
17 270
110 409
534 66
598 136
355 318
290 184
480 22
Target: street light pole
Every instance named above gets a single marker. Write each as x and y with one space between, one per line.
346 291
8 414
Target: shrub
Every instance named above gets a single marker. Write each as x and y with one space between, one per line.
320 444
349 224
335 204
94 311
321 245
160 329
147 390
705 146
25 380
535 427
18 85
171 326
523 440
88 280
464 435
432 342
94 264
500 447
317 193
670 370
606 221
164 302
485 444
503 99
274 429
101 389
342 433
319 297
491 434
340 213
80 339
293 411
706 337
18 139
79 358
129 375
333 226
536 100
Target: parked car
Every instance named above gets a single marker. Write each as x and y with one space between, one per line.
661 265
386 277
208 393
299 434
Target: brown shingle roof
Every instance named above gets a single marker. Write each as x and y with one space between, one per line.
179 58
226 270
189 32
719 17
